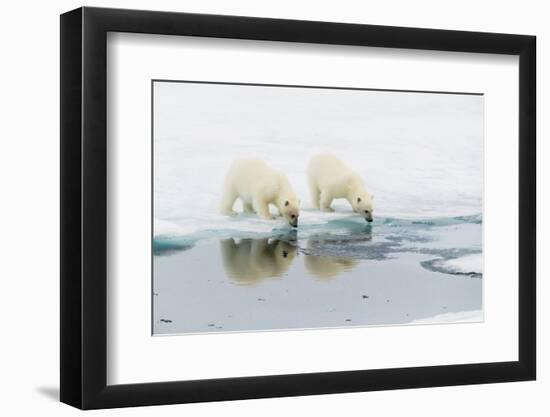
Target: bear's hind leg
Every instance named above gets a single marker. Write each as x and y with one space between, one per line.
226 207
326 201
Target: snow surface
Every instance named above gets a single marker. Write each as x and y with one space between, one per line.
420 155
455 317
467 264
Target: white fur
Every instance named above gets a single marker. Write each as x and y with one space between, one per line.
258 185
329 178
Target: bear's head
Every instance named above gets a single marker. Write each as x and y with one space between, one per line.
362 205
290 210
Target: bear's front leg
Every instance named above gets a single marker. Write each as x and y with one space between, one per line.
262 209
326 201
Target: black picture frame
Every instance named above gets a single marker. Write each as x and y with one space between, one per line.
84 207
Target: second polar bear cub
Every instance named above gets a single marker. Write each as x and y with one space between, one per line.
258 185
330 178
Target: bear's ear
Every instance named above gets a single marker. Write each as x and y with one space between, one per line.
358 199
286 203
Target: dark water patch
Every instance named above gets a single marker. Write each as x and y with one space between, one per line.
431 222
353 249
438 265
424 222
476 219
408 238
446 253
380 243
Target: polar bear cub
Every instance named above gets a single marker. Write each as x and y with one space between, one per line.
258 185
330 178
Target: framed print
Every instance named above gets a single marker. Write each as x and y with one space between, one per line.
258 207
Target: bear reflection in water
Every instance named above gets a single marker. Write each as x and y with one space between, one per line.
250 261
328 267
324 258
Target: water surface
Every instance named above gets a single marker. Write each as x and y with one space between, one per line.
345 273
